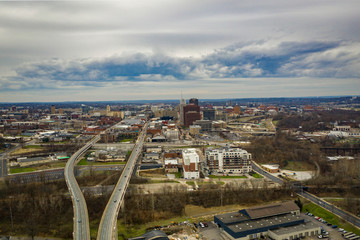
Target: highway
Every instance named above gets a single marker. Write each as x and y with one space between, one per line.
81 218
108 224
344 215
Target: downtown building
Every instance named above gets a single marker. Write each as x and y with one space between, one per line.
191 164
228 160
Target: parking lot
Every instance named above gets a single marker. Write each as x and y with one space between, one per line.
212 232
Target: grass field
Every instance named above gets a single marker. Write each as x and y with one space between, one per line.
83 162
162 181
329 217
22 170
213 176
299 166
256 175
191 183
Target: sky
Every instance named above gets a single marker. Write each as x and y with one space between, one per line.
143 50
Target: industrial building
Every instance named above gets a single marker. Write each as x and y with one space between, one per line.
228 160
278 221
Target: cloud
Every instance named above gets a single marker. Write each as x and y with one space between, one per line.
243 60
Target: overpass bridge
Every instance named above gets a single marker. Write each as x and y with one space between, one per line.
108 224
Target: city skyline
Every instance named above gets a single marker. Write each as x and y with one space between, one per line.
53 51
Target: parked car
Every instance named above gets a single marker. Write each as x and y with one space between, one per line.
334 226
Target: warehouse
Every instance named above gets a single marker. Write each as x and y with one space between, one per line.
278 221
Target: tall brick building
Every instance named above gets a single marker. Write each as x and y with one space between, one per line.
191 114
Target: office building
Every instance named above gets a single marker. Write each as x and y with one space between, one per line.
191 166
181 110
194 101
52 109
209 114
191 114
228 160
206 125
236 109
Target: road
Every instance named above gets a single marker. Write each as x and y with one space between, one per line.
344 215
4 155
108 224
81 218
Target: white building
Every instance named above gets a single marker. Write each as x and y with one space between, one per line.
172 134
228 160
191 164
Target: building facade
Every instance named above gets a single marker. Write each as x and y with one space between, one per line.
209 114
191 114
228 160
191 165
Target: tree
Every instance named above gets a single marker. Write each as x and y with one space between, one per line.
299 203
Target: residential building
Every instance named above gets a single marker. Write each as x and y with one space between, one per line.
228 160
191 166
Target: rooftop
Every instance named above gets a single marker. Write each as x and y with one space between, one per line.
271 210
262 223
296 228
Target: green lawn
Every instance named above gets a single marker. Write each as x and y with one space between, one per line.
33 146
83 162
329 217
178 175
299 166
256 175
21 170
191 183
220 182
162 181
213 176
127 140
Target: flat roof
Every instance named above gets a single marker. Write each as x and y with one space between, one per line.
272 209
228 218
296 228
262 223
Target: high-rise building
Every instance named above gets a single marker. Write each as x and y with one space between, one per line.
52 109
181 110
226 160
108 109
194 101
191 114
61 111
191 164
209 114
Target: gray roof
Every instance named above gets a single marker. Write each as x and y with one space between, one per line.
272 209
297 228
266 222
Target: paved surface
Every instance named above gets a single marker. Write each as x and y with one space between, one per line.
344 215
108 224
3 168
81 218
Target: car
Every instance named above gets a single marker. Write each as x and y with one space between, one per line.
115 200
329 224
205 224
334 226
201 224
196 225
340 229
